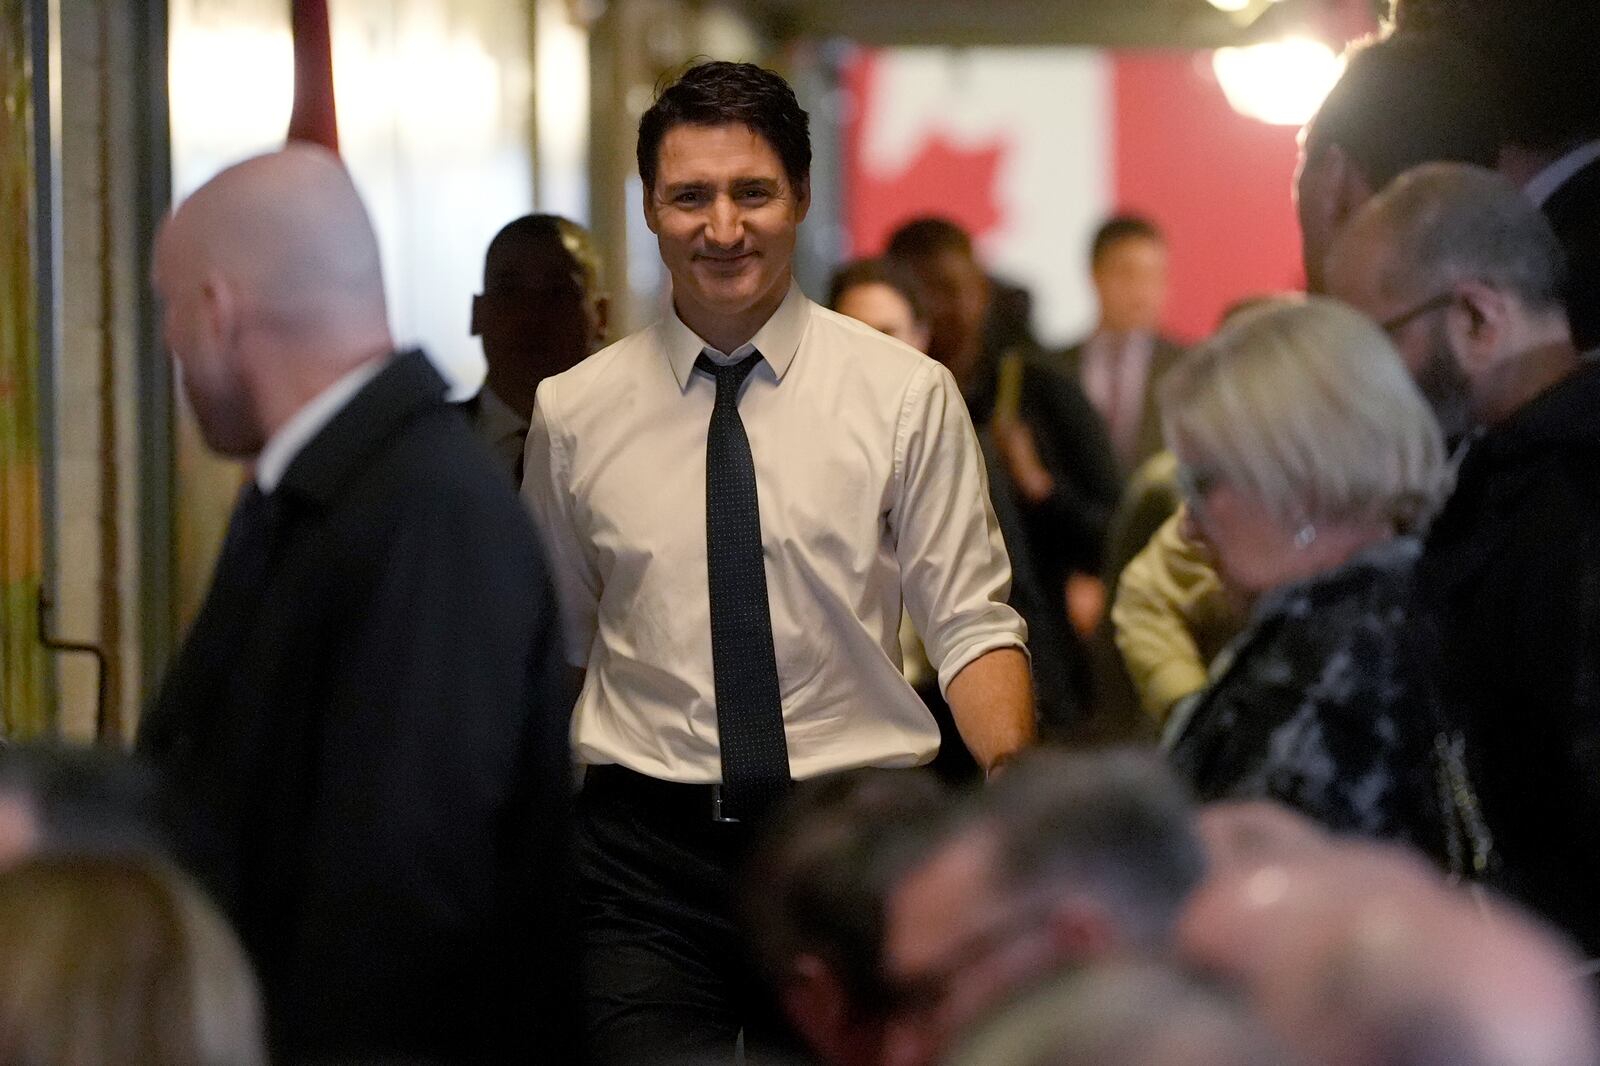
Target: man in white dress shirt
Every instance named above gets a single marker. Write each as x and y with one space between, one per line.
738 500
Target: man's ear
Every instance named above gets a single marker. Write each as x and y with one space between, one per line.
815 1004
802 196
1081 930
1479 325
476 327
221 307
649 202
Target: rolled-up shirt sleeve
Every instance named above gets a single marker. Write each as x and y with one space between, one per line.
546 489
955 574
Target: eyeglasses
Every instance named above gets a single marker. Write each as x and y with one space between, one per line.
1427 307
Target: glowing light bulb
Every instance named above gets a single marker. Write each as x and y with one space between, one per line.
1278 82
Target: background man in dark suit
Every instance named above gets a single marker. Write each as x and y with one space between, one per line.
363 738
543 309
1118 365
1466 277
1405 100
1539 55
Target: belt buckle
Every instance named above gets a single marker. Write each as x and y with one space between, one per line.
716 808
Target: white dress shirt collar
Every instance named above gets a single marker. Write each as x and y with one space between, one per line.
1545 184
777 340
292 437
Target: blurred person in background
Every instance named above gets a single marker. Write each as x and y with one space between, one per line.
1052 467
363 740
1170 616
974 319
1540 59
1121 1013
1064 860
816 894
1358 954
1467 276
56 800
1119 364
879 293
543 308
1409 99
1310 465
107 961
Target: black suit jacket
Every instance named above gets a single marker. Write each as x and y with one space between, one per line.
1513 568
364 745
1163 355
1574 213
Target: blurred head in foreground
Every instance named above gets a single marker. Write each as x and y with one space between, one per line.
1129 1013
1359 955
111 961
815 900
1065 859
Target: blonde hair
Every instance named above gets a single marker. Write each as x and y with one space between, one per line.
1307 406
120 960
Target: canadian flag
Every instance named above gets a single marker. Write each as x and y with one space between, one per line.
1031 148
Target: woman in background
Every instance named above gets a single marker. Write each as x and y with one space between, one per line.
1309 463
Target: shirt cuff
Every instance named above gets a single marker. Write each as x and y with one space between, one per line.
958 659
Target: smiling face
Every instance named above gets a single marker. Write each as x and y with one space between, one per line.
724 213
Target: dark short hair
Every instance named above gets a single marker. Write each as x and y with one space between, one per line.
876 272
1539 54
1121 228
921 239
1113 824
561 236
1406 100
821 877
720 93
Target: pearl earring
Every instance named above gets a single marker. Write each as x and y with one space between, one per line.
1304 537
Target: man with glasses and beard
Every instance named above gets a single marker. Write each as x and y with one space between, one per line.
1467 277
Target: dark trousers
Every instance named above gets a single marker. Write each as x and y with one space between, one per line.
666 977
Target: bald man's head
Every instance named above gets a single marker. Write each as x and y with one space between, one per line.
1359 953
272 288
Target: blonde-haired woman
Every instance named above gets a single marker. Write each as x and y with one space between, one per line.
106 961
1309 463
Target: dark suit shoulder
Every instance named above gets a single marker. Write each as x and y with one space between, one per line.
435 474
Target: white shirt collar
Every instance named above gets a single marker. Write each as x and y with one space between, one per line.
1544 184
292 437
777 340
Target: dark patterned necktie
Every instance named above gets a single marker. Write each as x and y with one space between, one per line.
755 756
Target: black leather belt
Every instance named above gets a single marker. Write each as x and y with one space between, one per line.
668 798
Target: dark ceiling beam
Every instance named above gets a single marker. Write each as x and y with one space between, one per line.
1100 23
